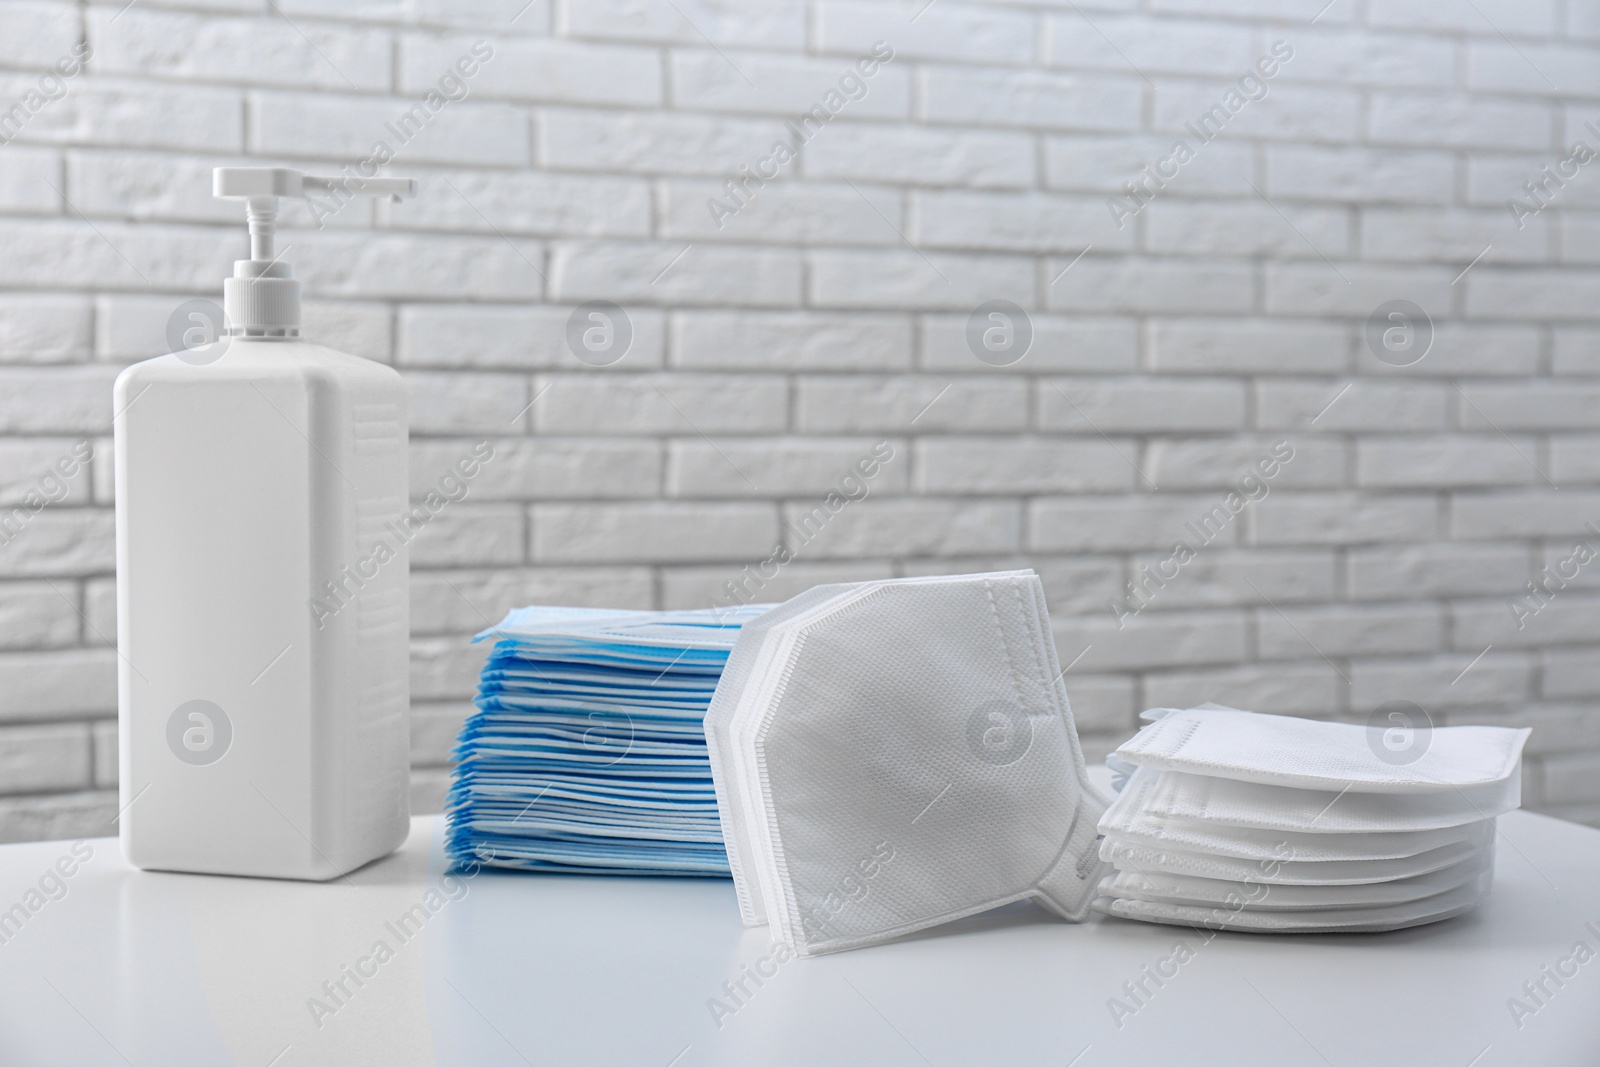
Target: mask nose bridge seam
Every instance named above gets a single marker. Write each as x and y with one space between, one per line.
1005 644
1077 808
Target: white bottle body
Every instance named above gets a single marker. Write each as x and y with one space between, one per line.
245 486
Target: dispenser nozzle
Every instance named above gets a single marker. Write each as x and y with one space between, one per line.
262 299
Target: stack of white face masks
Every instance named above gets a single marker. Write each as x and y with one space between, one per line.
892 755
587 754
1238 821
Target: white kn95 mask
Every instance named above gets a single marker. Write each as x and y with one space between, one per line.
1308 754
732 809
1130 819
1222 801
1241 821
1159 887
896 754
1373 919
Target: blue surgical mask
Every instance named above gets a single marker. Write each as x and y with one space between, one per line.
587 751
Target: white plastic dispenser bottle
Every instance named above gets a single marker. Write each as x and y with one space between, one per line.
261 587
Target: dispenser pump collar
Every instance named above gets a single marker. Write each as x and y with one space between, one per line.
262 299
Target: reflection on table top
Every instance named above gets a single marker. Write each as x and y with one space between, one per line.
400 963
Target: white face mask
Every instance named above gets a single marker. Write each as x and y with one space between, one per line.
1160 887
1130 819
1444 905
1312 811
1281 870
1238 821
1332 756
732 805
905 755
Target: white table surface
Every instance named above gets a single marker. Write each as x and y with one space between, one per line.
132 967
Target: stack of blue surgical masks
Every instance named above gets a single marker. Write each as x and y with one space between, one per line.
586 753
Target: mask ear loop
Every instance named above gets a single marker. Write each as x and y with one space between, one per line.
1068 889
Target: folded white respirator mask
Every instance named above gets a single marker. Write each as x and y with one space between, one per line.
1349 920
1247 746
1131 819
1239 821
1224 802
896 754
1281 870
1186 889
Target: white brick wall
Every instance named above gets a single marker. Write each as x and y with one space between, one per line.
1170 353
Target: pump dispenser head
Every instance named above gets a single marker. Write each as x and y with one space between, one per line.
262 299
